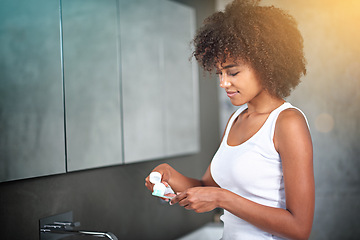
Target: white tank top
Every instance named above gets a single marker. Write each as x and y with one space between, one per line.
252 170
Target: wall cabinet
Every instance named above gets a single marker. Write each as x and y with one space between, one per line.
98 83
160 91
31 104
141 80
180 77
92 83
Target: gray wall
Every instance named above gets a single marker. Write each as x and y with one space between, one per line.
330 97
114 198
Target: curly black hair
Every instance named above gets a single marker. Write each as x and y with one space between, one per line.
265 37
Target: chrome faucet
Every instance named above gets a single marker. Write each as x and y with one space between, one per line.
67 228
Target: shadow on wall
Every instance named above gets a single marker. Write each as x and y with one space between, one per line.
330 97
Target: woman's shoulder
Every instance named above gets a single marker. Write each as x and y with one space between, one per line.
291 126
291 117
291 114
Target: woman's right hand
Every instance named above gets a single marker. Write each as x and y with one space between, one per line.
165 171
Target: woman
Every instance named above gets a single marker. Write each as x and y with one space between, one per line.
262 174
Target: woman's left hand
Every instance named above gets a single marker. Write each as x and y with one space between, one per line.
199 199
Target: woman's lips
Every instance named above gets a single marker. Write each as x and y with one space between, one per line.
231 94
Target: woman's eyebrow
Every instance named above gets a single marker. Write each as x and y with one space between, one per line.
230 66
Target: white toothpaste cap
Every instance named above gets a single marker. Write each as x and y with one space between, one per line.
155 177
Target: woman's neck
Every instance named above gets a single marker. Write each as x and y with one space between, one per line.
264 103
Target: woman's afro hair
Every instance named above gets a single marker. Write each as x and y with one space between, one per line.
265 37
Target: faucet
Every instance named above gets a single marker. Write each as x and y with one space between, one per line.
67 228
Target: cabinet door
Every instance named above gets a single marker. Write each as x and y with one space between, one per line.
31 105
180 80
143 89
92 83
160 88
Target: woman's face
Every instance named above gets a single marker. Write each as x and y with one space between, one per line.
239 81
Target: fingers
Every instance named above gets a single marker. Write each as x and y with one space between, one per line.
165 183
148 184
181 199
186 203
165 179
193 199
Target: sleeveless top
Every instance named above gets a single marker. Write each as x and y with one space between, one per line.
252 170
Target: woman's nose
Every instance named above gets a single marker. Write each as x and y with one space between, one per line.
224 81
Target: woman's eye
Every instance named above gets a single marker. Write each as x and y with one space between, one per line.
233 74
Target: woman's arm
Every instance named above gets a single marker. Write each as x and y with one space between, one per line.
293 142
176 180
179 182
